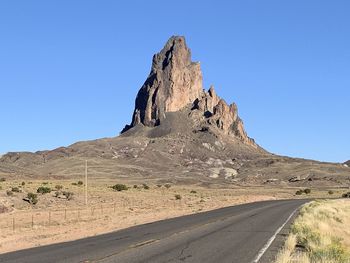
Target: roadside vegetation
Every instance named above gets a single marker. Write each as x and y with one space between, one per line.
303 191
32 198
178 197
43 190
119 187
321 234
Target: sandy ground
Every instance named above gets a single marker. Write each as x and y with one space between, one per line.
55 220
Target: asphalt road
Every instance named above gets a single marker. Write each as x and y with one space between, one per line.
232 234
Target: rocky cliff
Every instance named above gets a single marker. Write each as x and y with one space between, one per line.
174 83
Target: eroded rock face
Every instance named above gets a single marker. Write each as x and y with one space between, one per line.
216 112
174 83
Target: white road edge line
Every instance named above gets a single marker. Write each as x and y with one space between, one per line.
269 242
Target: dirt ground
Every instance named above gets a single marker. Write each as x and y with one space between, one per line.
54 219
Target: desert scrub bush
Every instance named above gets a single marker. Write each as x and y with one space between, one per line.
303 191
32 198
167 186
307 191
321 234
119 187
346 195
43 190
335 252
45 183
80 183
2 179
58 187
68 195
15 189
145 186
9 193
3 209
159 185
299 192
74 183
193 192
23 183
135 186
178 197
330 192
305 235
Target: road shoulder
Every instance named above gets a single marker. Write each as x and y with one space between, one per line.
271 253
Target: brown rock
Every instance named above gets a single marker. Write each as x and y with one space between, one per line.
174 82
217 113
294 179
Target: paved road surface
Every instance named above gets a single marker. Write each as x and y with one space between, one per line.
231 234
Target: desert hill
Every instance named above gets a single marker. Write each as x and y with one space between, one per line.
179 132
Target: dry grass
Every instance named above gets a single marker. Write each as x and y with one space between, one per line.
321 233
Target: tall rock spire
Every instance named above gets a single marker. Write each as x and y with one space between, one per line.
174 82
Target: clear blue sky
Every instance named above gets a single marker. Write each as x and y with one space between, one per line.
70 70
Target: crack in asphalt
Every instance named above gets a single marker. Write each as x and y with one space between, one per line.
180 257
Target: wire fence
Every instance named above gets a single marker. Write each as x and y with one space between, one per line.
33 219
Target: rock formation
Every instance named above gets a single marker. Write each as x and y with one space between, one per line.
174 83
215 112
179 134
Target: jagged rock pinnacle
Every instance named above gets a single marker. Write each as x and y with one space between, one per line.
175 82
